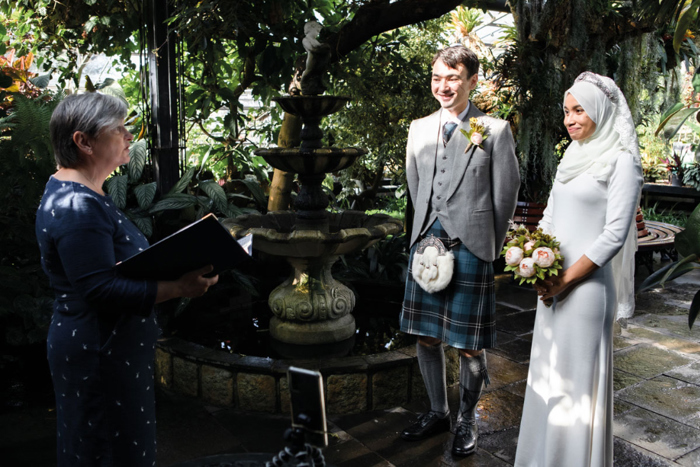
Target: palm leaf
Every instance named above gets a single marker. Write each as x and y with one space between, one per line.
116 187
174 201
184 181
256 191
216 193
694 308
138 153
145 194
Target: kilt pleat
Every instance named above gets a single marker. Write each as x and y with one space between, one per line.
463 315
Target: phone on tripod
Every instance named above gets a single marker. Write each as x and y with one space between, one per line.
308 404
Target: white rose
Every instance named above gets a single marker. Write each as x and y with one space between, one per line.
543 256
527 268
477 139
529 245
514 255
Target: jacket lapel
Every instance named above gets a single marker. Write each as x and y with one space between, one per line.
434 137
456 149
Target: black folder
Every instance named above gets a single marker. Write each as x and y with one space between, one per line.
203 242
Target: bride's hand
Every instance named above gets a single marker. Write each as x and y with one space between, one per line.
552 286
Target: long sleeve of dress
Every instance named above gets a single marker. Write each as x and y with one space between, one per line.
624 187
85 237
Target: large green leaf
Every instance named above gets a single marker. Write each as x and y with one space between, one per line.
174 201
216 193
116 187
694 308
687 242
679 268
111 87
41 81
257 191
688 15
138 153
671 125
666 273
184 181
145 194
668 114
145 225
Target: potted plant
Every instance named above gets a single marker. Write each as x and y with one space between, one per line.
691 176
675 169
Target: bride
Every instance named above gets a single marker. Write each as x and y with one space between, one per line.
567 416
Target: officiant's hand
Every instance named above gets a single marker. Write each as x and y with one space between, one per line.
192 284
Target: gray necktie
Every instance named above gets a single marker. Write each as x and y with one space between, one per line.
447 131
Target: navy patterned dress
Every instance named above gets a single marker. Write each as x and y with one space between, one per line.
102 336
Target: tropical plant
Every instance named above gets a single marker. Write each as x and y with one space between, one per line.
692 175
687 244
556 42
653 169
26 301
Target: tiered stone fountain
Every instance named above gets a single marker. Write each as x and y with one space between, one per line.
311 307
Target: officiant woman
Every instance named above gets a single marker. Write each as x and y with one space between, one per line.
101 341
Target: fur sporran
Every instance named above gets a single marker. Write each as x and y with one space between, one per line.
432 265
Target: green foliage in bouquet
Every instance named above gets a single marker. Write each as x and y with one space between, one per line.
525 244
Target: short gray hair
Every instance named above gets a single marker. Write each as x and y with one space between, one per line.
90 113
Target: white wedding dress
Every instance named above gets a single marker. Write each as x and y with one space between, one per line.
567 415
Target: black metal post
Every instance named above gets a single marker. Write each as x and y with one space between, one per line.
163 87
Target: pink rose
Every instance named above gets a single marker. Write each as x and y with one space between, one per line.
514 255
529 245
543 256
527 268
477 139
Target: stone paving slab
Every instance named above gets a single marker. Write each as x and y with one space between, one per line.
504 372
517 349
656 433
689 373
647 361
518 323
690 460
666 396
669 325
678 345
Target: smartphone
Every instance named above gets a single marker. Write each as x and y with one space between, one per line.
308 404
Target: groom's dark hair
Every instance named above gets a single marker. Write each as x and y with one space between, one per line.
456 54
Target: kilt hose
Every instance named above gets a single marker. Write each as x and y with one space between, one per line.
463 315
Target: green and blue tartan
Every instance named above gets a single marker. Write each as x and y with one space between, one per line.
463 315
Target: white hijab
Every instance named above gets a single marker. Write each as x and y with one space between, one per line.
615 132
597 154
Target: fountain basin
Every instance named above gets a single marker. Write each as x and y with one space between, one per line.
310 161
348 231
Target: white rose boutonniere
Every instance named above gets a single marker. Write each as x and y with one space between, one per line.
476 135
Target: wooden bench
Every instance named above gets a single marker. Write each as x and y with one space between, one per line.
655 237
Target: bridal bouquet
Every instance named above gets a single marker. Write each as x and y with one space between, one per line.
532 256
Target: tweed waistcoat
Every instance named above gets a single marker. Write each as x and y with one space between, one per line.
441 186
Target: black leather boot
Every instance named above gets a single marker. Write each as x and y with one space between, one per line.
472 374
428 424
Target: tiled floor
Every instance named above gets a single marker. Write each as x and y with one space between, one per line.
657 404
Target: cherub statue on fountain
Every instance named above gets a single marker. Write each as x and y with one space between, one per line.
317 59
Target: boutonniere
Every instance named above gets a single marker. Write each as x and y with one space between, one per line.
476 134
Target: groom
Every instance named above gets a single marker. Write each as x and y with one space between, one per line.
464 192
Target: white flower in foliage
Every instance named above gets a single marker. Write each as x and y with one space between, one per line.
527 268
514 255
543 256
529 245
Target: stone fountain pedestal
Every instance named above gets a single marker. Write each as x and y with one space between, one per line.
310 306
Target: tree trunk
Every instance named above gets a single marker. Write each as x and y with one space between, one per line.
281 187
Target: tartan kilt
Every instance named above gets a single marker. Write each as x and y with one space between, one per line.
462 315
